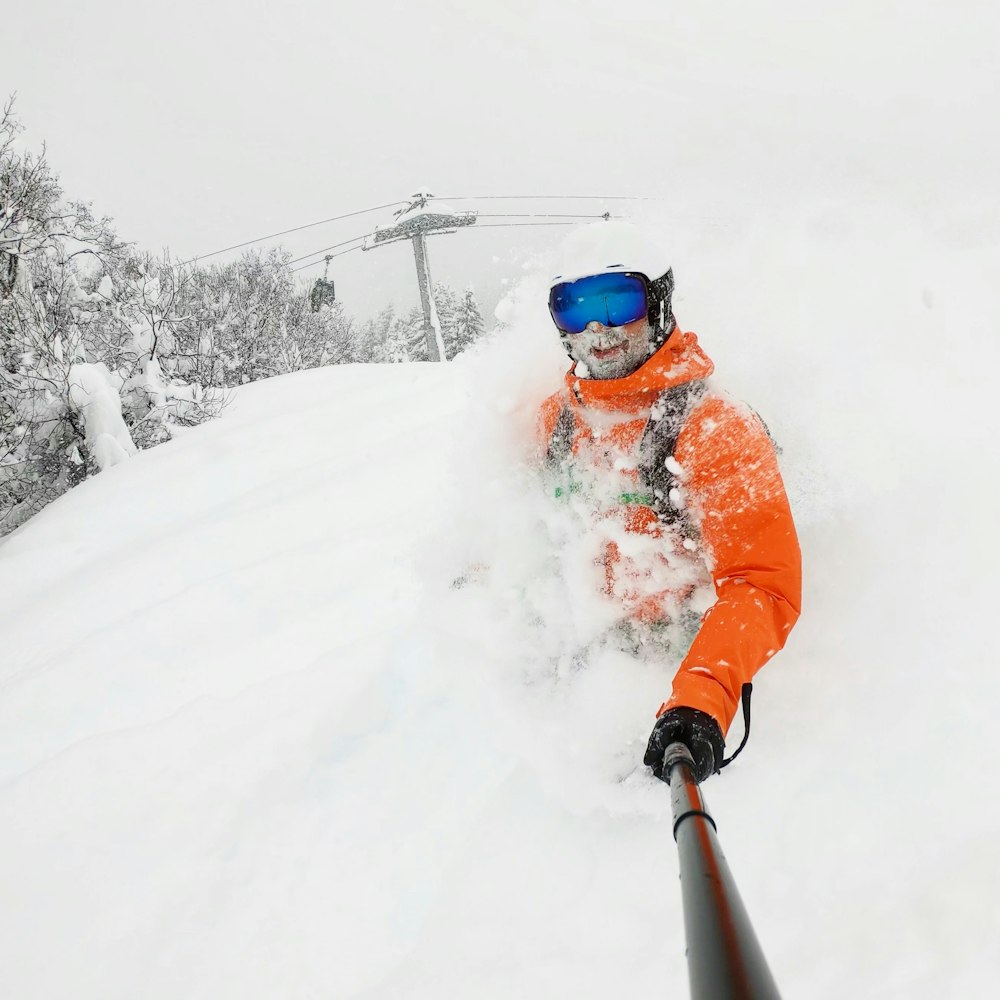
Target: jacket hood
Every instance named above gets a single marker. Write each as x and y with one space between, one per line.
679 360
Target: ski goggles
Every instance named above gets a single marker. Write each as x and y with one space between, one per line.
609 299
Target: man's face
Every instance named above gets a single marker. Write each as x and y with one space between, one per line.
610 351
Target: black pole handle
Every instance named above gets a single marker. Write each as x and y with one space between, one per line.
725 961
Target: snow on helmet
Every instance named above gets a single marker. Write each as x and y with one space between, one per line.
614 245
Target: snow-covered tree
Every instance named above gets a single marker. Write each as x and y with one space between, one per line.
467 324
413 335
258 288
44 443
445 303
236 328
80 320
328 336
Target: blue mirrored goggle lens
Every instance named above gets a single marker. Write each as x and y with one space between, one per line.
611 299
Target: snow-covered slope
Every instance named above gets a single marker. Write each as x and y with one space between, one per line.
291 706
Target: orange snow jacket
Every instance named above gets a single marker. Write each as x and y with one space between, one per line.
702 460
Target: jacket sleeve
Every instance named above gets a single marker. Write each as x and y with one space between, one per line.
734 489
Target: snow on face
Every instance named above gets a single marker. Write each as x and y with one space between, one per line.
610 352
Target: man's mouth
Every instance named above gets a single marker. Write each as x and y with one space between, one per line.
607 352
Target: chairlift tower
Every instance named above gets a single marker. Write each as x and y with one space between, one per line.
418 220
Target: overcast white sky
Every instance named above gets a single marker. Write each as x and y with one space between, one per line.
208 122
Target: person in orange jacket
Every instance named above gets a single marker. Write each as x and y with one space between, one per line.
680 468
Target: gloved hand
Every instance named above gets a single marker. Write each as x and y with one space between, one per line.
697 730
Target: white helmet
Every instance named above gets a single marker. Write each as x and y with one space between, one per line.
611 246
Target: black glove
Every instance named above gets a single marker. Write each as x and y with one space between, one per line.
698 731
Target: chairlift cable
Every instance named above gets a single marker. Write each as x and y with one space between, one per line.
552 197
516 225
285 232
485 225
344 243
315 262
537 215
